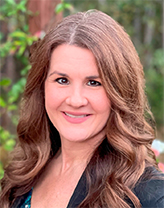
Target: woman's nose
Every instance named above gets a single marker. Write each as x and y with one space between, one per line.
76 98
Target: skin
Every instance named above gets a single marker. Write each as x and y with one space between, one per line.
78 107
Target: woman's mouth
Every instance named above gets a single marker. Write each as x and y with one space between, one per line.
76 118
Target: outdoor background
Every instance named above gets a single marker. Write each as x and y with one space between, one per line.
24 21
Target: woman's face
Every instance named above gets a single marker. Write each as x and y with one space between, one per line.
75 100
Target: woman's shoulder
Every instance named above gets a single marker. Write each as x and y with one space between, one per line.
150 189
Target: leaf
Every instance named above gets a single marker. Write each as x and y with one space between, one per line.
59 8
9 144
1 171
2 102
4 135
16 90
11 13
17 43
67 6
21 50
30 40
5 82
25 28
22 6
18 34
22 82
12 2
25 70
12 107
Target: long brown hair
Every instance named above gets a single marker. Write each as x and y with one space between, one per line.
121 159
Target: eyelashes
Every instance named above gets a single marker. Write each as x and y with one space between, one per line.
93 83
62 81
65 81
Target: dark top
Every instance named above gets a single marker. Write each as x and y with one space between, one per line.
150 193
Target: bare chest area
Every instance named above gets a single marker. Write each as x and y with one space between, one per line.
54 192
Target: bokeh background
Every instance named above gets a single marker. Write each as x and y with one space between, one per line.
24 21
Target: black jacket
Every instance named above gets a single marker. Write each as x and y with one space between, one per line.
150 193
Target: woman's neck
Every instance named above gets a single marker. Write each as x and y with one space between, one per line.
74 155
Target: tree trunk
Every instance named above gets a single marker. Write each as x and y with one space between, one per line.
43 14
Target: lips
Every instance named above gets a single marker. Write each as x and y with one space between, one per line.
76 118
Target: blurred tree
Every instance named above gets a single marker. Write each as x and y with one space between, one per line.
43 15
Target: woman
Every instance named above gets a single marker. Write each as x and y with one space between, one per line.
83 137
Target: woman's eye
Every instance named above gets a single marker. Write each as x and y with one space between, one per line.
62 81
93 83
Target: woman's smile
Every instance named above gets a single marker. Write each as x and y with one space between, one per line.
76 118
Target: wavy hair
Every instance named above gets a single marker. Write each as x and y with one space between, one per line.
121 159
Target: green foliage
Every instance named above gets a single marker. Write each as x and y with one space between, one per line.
155 85
7 139
11 8
1 170
15 44
63 6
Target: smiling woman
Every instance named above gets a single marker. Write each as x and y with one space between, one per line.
84 140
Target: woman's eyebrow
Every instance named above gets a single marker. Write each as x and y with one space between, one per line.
93 77
59 73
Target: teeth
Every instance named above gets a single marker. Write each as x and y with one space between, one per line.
73 116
